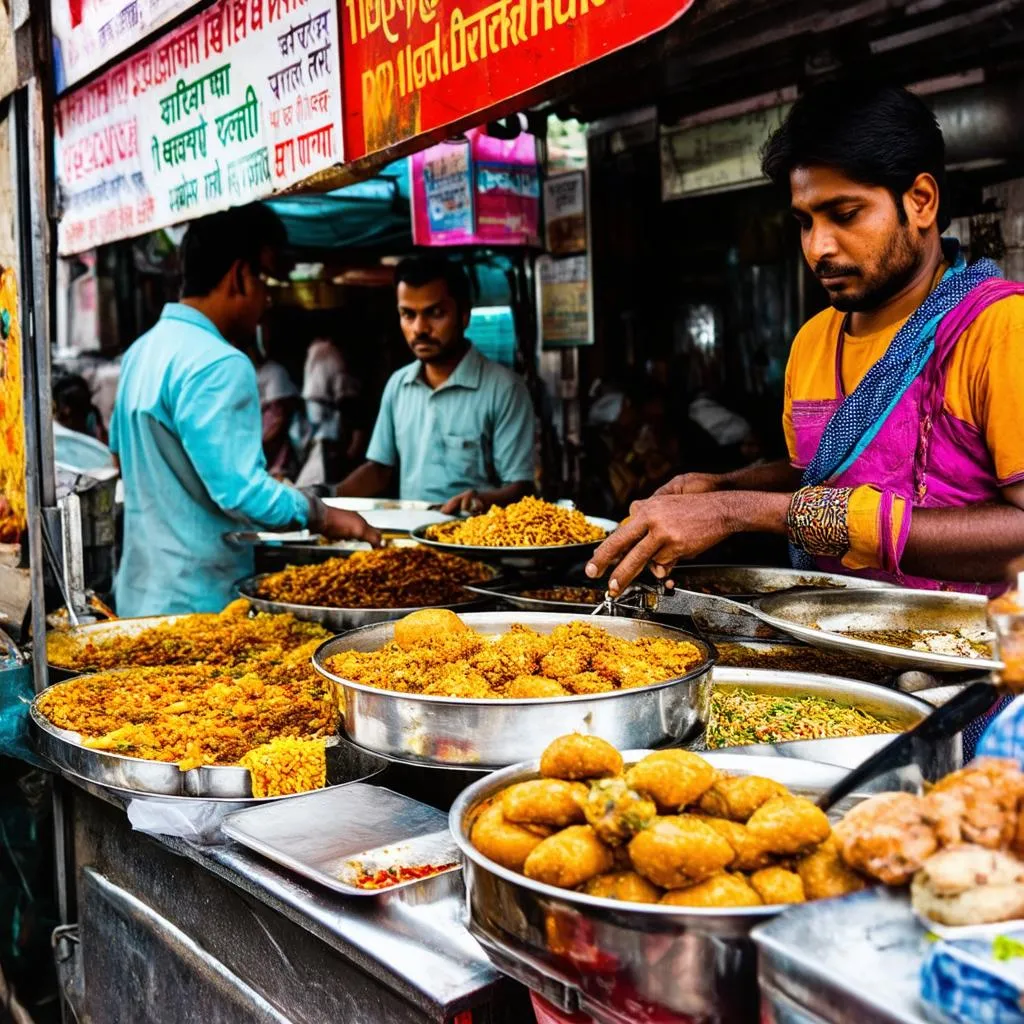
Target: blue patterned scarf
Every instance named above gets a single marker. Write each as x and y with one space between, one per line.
855 424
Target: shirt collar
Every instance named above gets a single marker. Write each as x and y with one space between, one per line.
179 311
466 375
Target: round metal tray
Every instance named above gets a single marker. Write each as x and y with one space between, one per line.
136 775
528 558
745 582
342 619
697 963
99 631
821 619
457 732
511 594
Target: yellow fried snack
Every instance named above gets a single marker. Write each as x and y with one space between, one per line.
721 890
532 687
673 778
286 765
616 812
503 841
788 825
824 874
575 757
422 626
737 796
569 858
750 853
545 802
623 885
777 885
678 851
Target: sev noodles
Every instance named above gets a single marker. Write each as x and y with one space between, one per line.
529 523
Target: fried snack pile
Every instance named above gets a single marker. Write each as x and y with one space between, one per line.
566 595
669 829
286 765
529 523
438 659
385 578
197 714
229 638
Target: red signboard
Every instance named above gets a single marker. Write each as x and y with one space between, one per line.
415 66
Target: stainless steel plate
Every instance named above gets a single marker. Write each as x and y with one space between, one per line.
97 632
822 619
745 582
340 620
331 835
493 733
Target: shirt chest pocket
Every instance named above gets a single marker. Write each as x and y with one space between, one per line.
464 457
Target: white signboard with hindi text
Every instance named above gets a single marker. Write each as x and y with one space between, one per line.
238 102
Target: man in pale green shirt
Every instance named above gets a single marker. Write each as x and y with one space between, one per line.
458 427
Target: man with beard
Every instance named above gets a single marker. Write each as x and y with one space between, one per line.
902 402
458 426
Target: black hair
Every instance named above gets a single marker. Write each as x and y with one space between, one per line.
71 390
212 244
875 134
417 271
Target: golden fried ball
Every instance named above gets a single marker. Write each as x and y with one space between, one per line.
777 885
721 890
673 778
617 812
788 825
575 757
545 802
503 841
530 687
623 885
737 796
824 874
750 853
569 858
422 626
678 851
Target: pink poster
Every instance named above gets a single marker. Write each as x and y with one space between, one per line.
481 191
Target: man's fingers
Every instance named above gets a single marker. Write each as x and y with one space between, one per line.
632 565
452 505
615 547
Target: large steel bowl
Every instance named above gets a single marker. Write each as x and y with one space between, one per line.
624 963
339 620
456 732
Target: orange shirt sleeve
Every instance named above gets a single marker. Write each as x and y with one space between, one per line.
985 384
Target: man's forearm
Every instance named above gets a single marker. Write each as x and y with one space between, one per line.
368 481
767 476
755 511
973 544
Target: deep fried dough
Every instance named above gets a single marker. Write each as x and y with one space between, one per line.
824 874
673 778
532 687
505 843
978 804
721 890
575 757
777 885
678 851
750 853
887 837
737 796
569 858
545 802
623 885
422 626
788 825
616 812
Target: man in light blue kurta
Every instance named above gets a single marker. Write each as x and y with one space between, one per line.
187 431
458 427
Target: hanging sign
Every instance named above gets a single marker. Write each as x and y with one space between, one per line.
89 33
416 66
240 101
564 298
565 214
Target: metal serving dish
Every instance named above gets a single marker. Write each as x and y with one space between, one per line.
99 631
900 710
790 656
625 962
746 582
138 775
341 619
822 619
457 732
530 559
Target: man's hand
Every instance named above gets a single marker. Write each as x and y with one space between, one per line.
339 524
689 483
467 501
